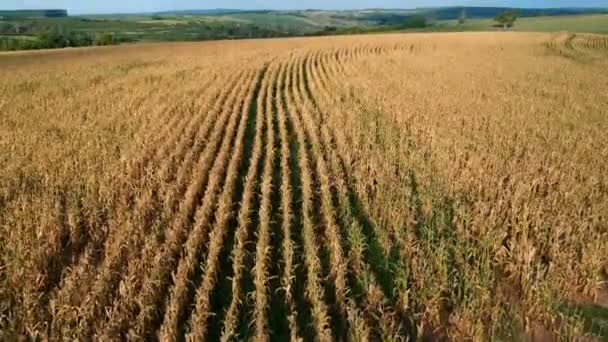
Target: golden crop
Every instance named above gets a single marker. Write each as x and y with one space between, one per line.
382 187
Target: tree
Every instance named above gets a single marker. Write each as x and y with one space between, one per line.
19 28
415 21
463 16
105 39
52 40
506 19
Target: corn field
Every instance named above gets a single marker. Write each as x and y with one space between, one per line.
362 188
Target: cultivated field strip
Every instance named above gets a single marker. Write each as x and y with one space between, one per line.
114 258
259 208
172 191
578 47
162 196
373 295
244 233
246 178
146 207
212 167
315 292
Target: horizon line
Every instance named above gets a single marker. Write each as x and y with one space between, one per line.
70 13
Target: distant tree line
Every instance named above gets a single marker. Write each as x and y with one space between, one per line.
23 14
406 23
62 33
55 40
415 21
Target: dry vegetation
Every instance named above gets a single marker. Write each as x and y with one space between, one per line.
432 186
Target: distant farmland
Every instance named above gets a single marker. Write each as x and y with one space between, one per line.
595 23
446 186
47 29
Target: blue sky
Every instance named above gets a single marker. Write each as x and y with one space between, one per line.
113 6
